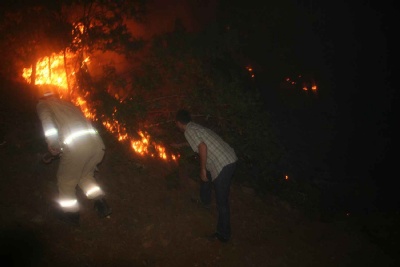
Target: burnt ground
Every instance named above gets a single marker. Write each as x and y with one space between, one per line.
154 223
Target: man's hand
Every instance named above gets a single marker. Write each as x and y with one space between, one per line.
203 175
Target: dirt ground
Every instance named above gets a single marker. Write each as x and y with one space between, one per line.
154 223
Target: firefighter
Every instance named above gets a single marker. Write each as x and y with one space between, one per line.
72 138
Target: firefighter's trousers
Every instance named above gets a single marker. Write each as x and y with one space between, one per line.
77 167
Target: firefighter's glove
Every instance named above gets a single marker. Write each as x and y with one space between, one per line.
47 158
54 150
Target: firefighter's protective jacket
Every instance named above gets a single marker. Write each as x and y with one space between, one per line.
62 122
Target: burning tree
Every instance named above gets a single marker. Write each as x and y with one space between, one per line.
78 28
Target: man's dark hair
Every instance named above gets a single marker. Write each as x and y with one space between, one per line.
183 116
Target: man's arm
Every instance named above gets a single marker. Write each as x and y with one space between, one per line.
203 160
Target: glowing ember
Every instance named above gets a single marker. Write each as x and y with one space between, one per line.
250 69
51 71
303 83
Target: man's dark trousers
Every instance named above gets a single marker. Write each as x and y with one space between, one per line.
222 188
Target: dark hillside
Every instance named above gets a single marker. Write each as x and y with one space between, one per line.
154 222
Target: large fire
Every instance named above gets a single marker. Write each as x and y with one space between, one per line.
51 71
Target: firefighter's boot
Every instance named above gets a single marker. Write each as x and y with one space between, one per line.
102 208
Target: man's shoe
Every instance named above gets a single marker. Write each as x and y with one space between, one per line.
102 208
71 218
217 236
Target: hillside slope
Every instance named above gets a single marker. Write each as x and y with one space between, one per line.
154 223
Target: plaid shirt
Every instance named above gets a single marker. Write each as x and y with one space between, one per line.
219 153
